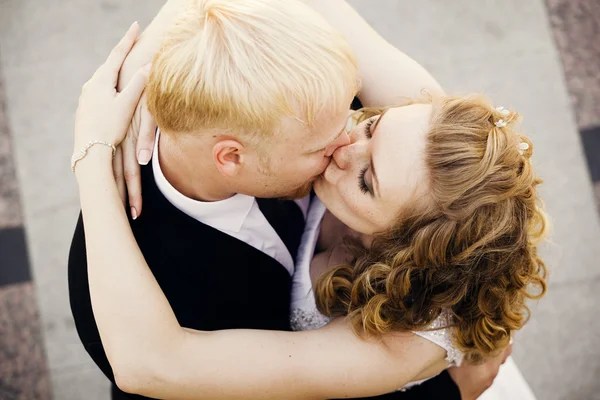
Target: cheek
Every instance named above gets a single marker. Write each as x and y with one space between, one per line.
299 170
312 166
317 164
349 193
358 205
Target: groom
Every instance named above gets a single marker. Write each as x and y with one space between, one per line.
223 259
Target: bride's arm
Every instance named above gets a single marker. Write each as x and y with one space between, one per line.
388 75
150 353
150 40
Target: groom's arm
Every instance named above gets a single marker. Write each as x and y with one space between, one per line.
388 75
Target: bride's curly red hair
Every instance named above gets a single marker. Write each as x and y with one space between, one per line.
470 248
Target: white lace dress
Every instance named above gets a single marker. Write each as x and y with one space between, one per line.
304 313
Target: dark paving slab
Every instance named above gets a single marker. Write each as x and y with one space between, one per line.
591 145
14 262
23 373
576 25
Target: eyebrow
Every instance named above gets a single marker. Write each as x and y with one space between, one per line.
328 144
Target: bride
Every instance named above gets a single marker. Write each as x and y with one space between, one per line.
438 201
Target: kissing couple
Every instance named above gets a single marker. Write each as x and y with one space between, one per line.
319 219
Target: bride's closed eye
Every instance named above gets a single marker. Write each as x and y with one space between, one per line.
368 126
362 183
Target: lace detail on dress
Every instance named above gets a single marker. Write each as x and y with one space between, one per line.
442 336
307 320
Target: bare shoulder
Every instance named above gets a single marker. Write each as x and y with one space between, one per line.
331 233
337 255
331 250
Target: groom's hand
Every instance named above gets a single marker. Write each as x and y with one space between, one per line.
139 143
136 150
472 380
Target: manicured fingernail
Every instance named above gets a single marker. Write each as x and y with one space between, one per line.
148 66
133 213
143 157
134 24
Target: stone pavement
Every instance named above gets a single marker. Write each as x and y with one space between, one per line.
541 58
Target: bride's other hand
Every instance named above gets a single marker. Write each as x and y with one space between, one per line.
472 380
103 114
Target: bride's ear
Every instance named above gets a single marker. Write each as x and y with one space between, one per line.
228 156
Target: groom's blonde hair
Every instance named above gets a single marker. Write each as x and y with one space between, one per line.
243 65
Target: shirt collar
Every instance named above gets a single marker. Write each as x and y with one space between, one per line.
226 215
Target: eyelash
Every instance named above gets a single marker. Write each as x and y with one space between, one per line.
361 176
361 180
368 125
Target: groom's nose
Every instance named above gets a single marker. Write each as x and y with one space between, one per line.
341 140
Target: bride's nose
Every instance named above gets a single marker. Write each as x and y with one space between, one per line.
357 149
342 140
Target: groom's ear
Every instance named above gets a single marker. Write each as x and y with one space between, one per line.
228 156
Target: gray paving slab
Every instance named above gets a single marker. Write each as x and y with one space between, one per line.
439 31
558 350
52 235
47 54
532 84
81 383
72 372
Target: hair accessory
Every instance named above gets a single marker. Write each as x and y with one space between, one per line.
502 110
502 123
522 147
79 155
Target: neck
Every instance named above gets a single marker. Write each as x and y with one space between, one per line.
333 231
189 169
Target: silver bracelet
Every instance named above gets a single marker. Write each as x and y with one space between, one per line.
79 155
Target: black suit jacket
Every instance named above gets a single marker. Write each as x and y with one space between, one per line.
212 280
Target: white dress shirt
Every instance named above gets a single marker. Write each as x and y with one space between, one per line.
237 216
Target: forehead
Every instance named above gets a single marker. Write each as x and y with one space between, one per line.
398 150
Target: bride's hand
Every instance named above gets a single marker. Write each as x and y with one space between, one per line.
104 114
472 380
